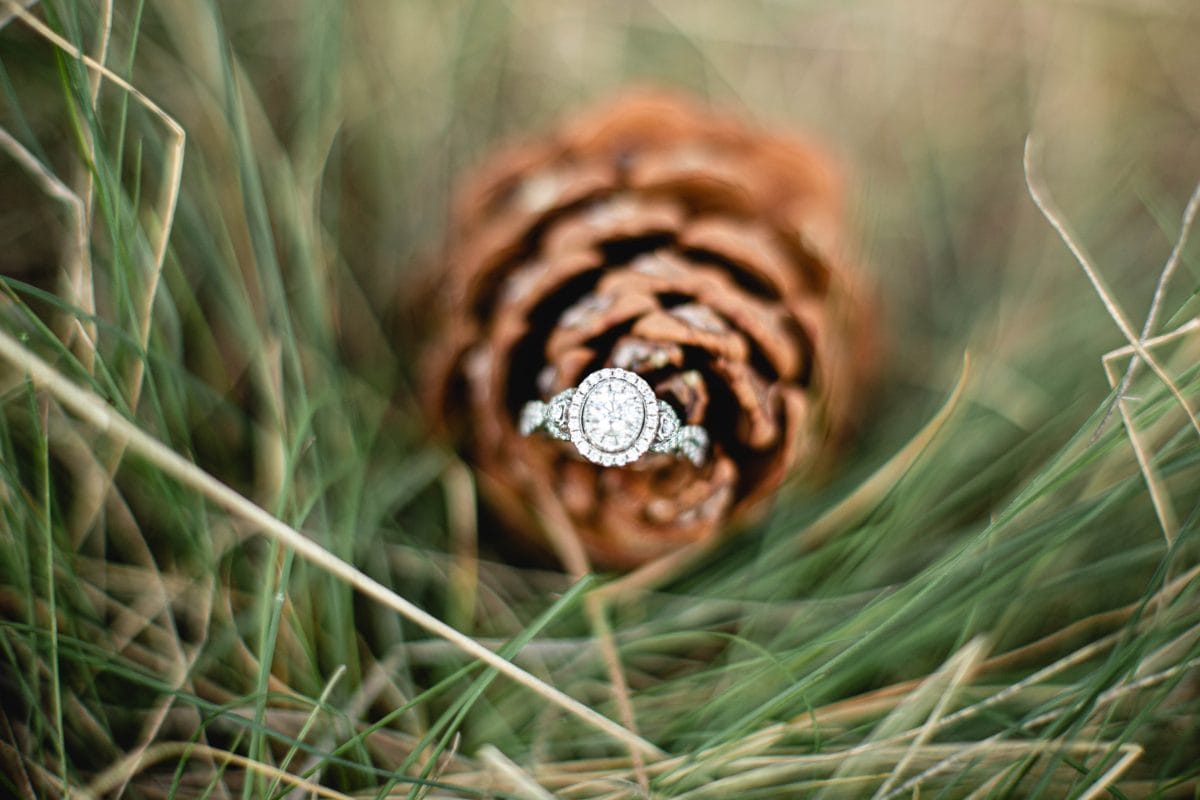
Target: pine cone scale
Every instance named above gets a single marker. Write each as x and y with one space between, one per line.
762 323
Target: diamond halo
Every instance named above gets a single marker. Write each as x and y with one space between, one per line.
613 417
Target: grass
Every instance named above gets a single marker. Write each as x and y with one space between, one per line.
232 563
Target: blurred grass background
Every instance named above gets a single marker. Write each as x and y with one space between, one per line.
1006 618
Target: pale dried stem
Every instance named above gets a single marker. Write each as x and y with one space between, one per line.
82 279
114 775
1127 686
1132 752
597 611
1159 497
992 746
270 437
1041 198
90 484
101 54
318 707
444 761
8 16
1160 290
522 783
78 256
359 702
1170 653
987 788
958 670
1146 681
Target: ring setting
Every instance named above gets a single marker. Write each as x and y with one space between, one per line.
613 418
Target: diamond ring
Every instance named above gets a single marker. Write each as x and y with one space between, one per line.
613 418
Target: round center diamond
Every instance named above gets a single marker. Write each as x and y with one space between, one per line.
613 415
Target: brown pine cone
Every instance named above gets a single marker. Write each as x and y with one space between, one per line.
652 235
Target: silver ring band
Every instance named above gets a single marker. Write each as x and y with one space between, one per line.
613 418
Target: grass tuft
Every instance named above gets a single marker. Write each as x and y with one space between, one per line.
232 563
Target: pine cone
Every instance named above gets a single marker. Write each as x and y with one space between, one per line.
654 236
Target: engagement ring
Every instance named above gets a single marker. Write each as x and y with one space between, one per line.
613 418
